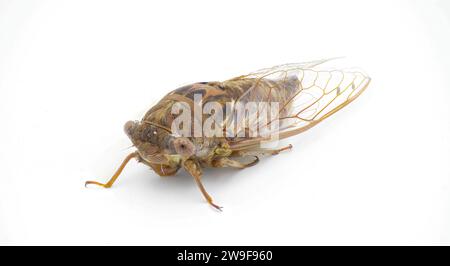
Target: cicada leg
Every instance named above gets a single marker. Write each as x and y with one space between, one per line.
164 170
226 162
161 169
194 169
277 151
262 151
116 174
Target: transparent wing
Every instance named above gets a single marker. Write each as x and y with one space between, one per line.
307 93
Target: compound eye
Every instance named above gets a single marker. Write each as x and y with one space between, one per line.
129 127
151 133
184 147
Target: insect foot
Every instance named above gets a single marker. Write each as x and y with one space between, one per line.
275 152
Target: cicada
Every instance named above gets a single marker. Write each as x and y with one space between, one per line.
231 123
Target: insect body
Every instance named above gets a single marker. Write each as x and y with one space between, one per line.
303 95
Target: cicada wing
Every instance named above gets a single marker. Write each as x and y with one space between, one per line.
306 94
280 68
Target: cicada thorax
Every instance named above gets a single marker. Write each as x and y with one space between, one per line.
162 115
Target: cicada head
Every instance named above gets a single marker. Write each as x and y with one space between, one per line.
150 141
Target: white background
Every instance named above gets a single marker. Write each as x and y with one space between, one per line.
73 72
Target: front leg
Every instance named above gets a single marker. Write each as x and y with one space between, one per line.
117 173
193 168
